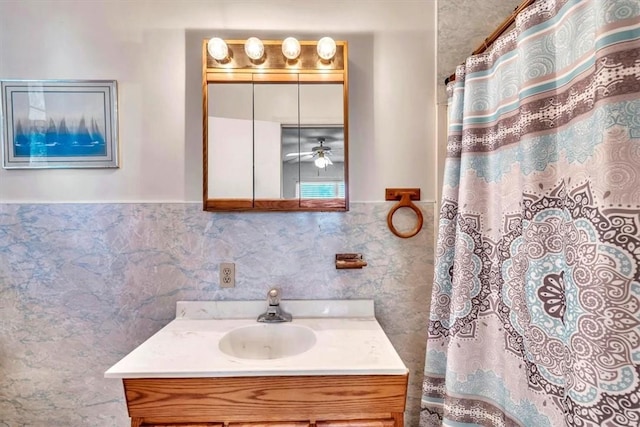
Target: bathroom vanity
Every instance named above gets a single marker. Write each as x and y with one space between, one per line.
214 365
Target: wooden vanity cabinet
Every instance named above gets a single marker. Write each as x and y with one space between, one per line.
287 401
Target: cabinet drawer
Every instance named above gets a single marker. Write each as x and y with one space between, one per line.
241 399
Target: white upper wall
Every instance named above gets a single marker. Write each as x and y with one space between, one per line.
143 45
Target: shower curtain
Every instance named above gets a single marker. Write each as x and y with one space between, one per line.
535 312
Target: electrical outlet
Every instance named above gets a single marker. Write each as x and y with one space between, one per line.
227 275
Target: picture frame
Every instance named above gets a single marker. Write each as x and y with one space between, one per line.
59 124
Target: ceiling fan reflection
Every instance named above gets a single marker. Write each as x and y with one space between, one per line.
320 152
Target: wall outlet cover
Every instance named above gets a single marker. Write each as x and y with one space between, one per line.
227 275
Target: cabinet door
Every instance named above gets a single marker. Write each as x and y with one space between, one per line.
184 425
357 423
272 424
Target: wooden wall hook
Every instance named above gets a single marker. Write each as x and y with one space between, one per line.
405 195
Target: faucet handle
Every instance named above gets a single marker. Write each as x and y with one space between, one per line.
273 296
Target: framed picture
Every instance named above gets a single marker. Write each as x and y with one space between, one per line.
59 124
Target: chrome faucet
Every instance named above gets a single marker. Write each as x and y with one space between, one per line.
274 313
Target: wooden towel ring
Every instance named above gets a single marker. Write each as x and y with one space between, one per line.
405 195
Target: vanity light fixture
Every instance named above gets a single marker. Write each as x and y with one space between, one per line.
254 48
291 48
322 161
218 49
326 48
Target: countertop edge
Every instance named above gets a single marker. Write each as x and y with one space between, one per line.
138 375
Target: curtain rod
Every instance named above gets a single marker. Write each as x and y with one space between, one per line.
496 33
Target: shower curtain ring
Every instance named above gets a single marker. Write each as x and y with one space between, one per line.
405 195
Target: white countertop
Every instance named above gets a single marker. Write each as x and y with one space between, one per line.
350 341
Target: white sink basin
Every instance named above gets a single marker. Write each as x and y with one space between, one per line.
267 341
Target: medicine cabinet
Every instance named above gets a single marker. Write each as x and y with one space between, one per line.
275 130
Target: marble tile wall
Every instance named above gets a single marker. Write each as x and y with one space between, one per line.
81 285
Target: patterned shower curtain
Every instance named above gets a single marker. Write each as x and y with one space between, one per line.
535 314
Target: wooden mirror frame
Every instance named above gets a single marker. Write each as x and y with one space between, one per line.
274 68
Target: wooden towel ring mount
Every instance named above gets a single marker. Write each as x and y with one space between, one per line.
405 197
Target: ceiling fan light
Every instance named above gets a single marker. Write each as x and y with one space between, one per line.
322 161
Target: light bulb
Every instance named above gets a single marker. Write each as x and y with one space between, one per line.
291 48
326 48
254 48
322 161
218 49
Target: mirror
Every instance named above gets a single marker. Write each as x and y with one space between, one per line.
275 141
